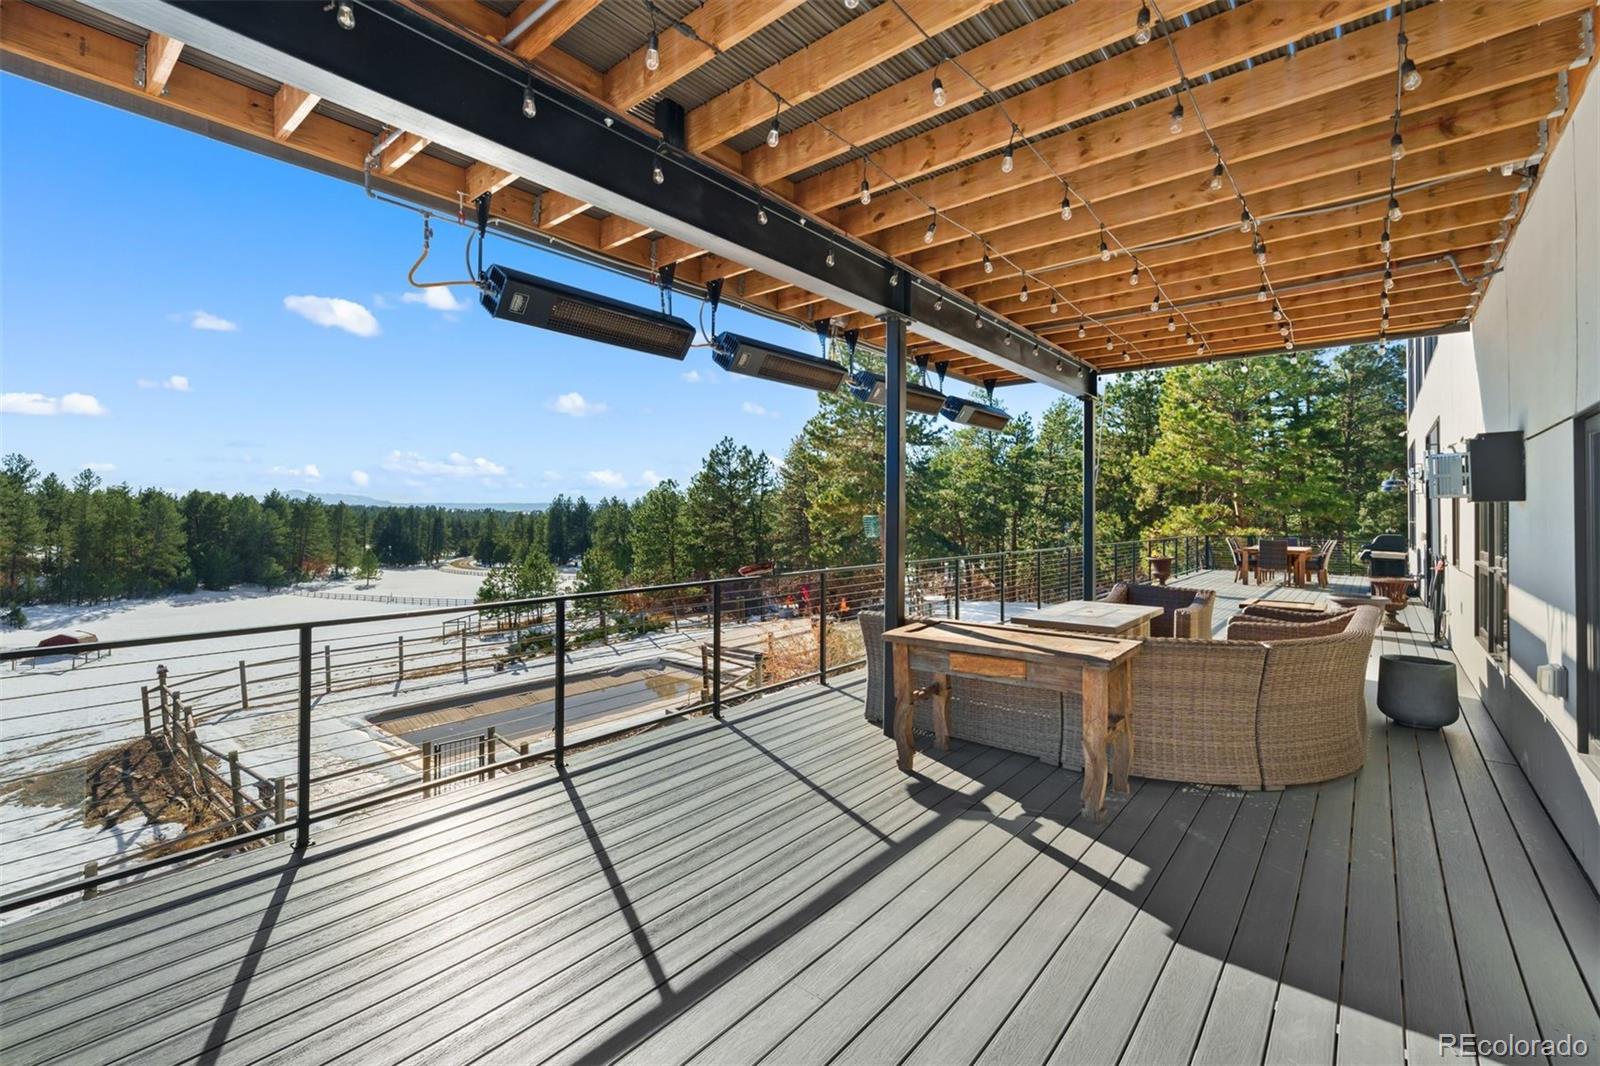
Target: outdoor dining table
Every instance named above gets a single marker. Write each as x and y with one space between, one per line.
1298 554
1098 668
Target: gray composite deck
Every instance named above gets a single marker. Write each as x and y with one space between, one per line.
771 888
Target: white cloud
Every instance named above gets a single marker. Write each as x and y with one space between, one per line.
453 465
435 299
335 313
573 404
650 477
176 383
608 479
205 320
101 468
756 409
693 377
360 477
309 472
37 403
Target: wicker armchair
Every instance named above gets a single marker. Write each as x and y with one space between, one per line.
1185 613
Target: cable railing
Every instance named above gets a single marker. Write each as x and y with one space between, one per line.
154 751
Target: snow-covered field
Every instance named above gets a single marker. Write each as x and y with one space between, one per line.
55 714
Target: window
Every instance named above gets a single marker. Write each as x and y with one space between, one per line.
1491 619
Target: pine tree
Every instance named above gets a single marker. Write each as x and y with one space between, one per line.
597 573
20 528
367 569
657 536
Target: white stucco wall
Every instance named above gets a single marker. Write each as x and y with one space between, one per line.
1532 363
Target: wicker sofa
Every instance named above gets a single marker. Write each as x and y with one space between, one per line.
1184 612
1246 713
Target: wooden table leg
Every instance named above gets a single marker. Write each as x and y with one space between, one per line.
1122 730
1096 702
904 718
941 711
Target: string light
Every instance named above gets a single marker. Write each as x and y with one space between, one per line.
1262 294
1083 331
1066 205
933 224
938 302
1388 279
772 133
1172 324
1105 250
1109 345
657 175
1216 176
345 15
1024 296
1188 338
1155 304
1245 221
939 97
1143 31
866 193
988 264
1410 76
1397 144
1260 249
1176 126
829 259
1008 161
652 53
761 214
1394 209
1277 313
530 106
1133 275
1055 308
1384 243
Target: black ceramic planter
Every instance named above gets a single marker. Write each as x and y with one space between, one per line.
1417 691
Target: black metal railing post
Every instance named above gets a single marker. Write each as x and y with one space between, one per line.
716 650
958 588
561 685
822 627
1038 587
302 814
1002 586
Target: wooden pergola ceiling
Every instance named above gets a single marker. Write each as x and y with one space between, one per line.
1298 98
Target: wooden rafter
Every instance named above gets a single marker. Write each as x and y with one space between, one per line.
722 23
289 108
401 152
857 46
552 22
160 56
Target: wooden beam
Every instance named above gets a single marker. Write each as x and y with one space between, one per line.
484 22
857 46
722 23
556 207
160 56
401 152
1367 54
616 231
550 26
289 108
482 178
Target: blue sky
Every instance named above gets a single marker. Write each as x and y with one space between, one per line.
166 317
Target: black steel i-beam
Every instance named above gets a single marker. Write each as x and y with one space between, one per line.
401 67
1088 491
894 502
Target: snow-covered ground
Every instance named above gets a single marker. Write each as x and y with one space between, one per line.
55 714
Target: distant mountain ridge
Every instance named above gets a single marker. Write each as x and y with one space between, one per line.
356 500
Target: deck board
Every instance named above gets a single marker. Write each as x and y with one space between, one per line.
772 887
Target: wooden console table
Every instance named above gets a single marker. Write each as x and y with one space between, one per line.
1098 668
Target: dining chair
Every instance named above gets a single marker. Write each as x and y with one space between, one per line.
1241 561
1318 562
1272 558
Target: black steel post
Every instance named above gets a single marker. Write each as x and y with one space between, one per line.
561 684
958 588
302 814
822 627
894 495
1038 588
1088 491
716 650
1002 586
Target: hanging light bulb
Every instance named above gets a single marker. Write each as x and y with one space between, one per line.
1216 176
1188 338
988 264
530 106
1155 304
1201 349
1260 248
657 175
1172 324
1024 295
939 96
1394 209
772 133
1109 344
1176 125
829 259
1397 147
1142 29
851 4
1133 275
1105 250
1384 243
1277 313
1283 330
1125 356
1083 331
1261 294
1388 280
1383 301
1245 221
345 15
1008 162
1410 76
1288 344
652 53
1066 205
1383 336
938 302
761 214
933 224
1055 308
866 193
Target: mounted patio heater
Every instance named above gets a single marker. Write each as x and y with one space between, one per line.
972 413
519 297
871 388
744 355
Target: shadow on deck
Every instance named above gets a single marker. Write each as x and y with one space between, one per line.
773 887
